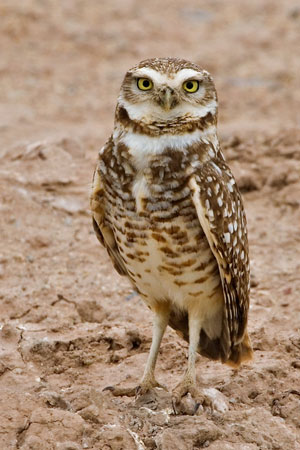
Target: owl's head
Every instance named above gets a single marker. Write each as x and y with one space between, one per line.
167 91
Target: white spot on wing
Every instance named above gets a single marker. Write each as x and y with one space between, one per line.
216 167
229 185
227 238
211 153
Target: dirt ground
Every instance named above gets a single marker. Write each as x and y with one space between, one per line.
70 325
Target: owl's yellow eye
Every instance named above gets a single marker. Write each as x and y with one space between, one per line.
191 86
144 84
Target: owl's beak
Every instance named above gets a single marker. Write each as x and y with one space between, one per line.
168 98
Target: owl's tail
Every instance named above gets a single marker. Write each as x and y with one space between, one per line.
220 348
240 353
217 349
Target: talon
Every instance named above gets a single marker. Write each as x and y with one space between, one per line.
108 388
174 407
162 386
119 391
197 406
138 390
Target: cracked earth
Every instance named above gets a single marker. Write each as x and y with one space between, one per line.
69 324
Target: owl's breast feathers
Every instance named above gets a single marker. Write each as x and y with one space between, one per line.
195 184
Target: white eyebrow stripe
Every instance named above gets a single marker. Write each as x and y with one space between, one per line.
161 78
185 74
155 76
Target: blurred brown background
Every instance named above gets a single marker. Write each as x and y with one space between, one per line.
64 60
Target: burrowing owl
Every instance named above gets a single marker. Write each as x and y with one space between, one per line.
167 208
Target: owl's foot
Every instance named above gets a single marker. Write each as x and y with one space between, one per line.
183 404
145 386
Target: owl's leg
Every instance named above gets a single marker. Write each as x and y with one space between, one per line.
160 322
188 383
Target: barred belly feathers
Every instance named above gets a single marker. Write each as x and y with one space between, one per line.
167 208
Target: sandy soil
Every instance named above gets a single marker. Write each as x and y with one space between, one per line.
70 325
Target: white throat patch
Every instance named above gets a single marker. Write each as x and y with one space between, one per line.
141 146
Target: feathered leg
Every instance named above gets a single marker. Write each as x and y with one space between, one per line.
160 322
188 383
